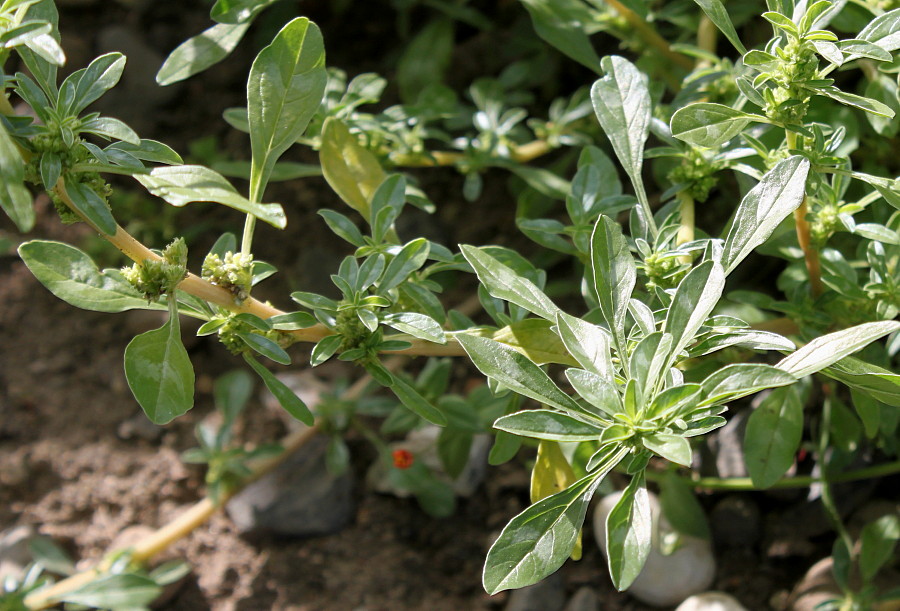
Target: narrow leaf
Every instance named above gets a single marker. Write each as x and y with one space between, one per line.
614 273
91 206
504 283
514 371
707 124
716 12
198 53
778 194
588 344
350 170
696 296
742 379
547 424
285 396
629 529
285 87
829 349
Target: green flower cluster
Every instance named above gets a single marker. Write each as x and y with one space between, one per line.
155 277
233 272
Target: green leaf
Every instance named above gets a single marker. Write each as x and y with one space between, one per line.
504 283
417 325
350 170
884 31
878 383
100 76
588 344
325 349
515 371
742 379
126 591
696 296
710 125
342 227
537 542
72 276
547 424
50 556
829 349
15 198
877 543
149 150
182 184
561 23
621 102
410 258
716 12
776 196
285 87
285 396
674 448
629 528
681 508
24 32
198 53
91 206
599 391
534 338
773 435
416 403
238 11
111 128
614 273
265 347
43 53
857 101
159 371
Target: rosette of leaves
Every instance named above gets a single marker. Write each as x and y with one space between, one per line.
631 400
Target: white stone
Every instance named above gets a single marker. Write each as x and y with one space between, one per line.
711 601
666 580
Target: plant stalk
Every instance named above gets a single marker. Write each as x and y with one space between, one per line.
803 481
686 222
810 253
198 287
651 36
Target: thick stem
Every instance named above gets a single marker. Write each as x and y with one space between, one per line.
810 253
196 286
650 36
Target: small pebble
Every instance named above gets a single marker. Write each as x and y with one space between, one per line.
546 595
711 601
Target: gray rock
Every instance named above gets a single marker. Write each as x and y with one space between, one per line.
666 580
300 498
736 521
585 599
14 552
547 595
711 601
727 444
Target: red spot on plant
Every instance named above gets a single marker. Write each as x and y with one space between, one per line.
403 459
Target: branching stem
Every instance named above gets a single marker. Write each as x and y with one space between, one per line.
196 286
